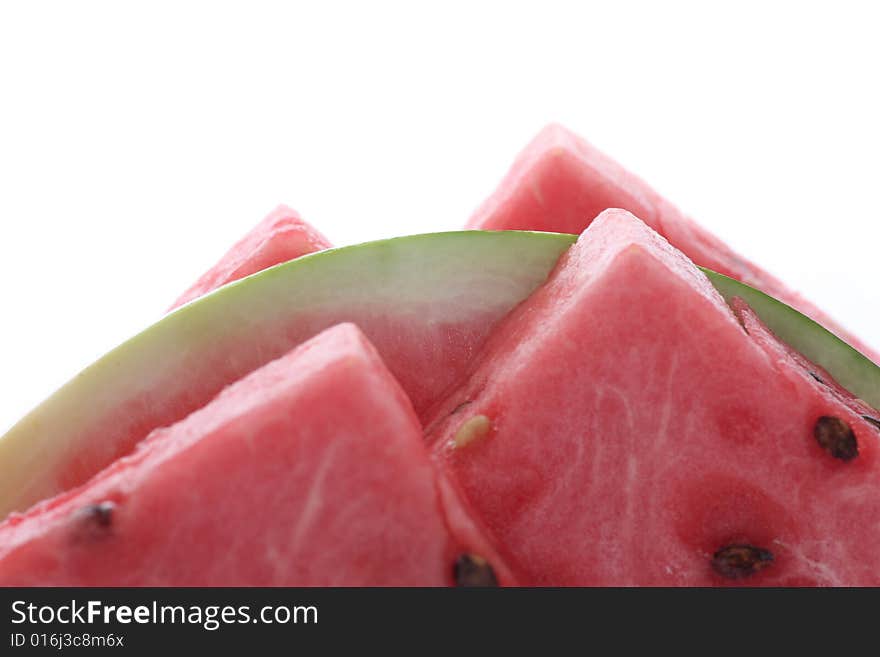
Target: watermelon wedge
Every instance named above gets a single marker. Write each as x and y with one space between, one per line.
804 339
427 303
281 236
622 427
845 390
310 471
560 182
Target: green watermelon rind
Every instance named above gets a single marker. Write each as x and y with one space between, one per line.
434 279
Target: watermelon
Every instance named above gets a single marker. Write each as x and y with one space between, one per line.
624 426
310 471
281 236
426 302
805 340
560 182
783 352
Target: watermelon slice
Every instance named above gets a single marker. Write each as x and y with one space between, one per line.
622 428
426 302
559 183
311 471
805 340
281 236
794 360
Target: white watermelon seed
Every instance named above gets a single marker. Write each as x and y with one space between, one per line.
472 429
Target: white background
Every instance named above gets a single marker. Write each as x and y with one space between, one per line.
139 141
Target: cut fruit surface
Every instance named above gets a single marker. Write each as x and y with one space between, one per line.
629 431
426 302
281 236
311 471
560 183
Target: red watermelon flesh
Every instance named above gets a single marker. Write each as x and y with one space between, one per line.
283 235
622 428
560 182
310 471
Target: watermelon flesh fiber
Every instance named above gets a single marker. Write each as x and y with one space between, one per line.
281 236
310 471
633 433
560 182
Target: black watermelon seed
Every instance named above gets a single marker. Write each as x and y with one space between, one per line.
739 560
872 420
836 437
816 376
100 515
471 570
